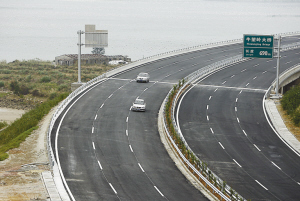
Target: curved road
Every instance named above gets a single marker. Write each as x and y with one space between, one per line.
223 121
107 152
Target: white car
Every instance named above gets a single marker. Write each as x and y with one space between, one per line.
143 77
139 105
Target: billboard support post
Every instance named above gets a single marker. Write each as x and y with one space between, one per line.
278 66
93 38
79 54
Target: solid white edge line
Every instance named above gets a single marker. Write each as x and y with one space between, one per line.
100 165
256 147
141 167
93 145
130 148
212 130
55 145
237 162
221 145
275 165
159 191
275 131
261 185
113 188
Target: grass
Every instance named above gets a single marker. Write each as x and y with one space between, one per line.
40 85
14 134
34 81
3 124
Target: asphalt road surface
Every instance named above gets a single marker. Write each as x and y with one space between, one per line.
223 121
108 152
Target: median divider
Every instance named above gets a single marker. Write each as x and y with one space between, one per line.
198 168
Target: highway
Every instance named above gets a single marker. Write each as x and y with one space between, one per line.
107 152
223 121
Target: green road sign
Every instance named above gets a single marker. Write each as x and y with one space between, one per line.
258 46
258 52
258 41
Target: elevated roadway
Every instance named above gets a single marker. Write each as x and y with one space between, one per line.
107 152
223 121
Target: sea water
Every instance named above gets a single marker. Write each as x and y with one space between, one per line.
43 29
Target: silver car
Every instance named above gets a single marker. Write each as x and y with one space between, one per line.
143 77
139 105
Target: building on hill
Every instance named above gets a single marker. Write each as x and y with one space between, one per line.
71 59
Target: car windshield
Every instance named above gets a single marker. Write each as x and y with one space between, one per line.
139 101
143 75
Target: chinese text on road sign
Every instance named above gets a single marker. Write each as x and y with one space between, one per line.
258 46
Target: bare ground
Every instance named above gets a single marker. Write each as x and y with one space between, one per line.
20 174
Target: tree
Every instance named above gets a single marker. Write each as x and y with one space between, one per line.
98 50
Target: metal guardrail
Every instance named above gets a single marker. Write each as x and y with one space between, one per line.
64 103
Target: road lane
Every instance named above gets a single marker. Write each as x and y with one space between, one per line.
234 113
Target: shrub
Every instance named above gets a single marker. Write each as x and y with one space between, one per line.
24 90
291 100
14 86
1 84
35 92
28 78
296 118
46 79
52 96
63 87
3 124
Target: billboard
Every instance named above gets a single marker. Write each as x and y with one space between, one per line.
95 38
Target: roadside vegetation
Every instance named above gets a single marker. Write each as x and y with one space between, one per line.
35 86
291 104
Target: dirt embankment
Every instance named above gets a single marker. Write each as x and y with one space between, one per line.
20 174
